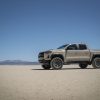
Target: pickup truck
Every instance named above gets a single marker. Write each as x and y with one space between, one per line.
69 54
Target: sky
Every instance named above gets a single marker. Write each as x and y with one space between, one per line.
28 27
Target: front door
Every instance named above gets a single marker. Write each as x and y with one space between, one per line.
71 53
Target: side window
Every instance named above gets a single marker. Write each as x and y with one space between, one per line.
82 47
72 47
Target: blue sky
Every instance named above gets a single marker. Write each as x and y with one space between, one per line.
30 26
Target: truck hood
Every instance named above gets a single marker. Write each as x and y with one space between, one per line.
58 50
54 50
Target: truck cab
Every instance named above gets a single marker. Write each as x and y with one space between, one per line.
77 52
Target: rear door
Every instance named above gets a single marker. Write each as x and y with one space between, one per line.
83 53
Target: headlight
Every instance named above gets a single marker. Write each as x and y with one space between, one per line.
47 54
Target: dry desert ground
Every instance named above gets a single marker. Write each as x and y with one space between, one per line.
31 82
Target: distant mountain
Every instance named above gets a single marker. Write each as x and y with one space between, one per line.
17 62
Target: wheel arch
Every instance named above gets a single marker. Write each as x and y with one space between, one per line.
57 55
94 56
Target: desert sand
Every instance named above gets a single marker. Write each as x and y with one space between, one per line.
31 82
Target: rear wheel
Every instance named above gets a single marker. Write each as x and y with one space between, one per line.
46 66
96 62
56 63
83 66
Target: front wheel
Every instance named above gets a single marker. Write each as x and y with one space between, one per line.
56 63
46 66
83 66
96 62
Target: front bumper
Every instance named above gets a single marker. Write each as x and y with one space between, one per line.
44 61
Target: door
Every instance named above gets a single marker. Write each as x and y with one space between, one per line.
83 53
71 53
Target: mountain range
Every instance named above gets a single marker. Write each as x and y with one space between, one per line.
17 62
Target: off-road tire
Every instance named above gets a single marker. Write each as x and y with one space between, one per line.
96 62
46 66
83 66
56 63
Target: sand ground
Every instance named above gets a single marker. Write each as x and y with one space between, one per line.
30 82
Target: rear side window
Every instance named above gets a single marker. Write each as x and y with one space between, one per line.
82 47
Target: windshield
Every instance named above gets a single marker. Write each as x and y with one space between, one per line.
63 46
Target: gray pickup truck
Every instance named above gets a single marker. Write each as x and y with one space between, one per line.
68 54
